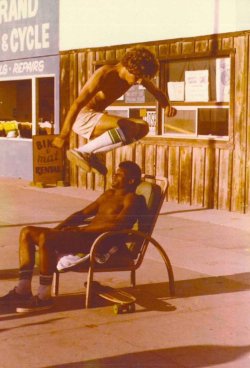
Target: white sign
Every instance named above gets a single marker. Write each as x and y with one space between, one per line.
176 91
196 85
223 80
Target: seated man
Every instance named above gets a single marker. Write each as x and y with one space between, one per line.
116 209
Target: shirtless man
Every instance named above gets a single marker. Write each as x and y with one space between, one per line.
106 132
116 209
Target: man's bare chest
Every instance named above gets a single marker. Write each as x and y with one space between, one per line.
111 207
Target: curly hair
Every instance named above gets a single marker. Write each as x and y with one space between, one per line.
132 170
141 62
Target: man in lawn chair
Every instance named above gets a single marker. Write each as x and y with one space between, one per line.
116 209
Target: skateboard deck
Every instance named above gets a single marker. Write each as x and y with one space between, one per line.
123 302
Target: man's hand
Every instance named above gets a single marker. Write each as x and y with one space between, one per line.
58 142
170 111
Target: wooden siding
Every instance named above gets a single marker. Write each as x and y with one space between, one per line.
247 184
197 175
209 173
239 161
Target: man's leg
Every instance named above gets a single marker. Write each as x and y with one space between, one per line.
50 243
110 132
28 239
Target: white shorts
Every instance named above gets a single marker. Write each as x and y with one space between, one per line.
86 122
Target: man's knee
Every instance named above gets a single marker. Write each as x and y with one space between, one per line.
25 232
29 234
50 240
133 130
43 239
143 130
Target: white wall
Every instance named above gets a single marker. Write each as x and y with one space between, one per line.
86 23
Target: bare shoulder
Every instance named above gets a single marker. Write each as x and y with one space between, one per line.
106 195
105 70
134 199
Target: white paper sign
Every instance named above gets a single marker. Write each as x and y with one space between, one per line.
196 85
223 79
151 120
176 91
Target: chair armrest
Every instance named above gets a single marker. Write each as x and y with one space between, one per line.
134 234
98 241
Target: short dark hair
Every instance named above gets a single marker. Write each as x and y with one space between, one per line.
133 171
141 62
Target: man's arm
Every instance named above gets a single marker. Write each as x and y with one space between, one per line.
89 90
161 97
79 217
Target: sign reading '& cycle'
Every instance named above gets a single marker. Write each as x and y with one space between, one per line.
27 26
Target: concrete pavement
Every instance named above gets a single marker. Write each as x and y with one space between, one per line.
207 323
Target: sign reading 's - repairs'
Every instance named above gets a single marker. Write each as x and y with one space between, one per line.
47 160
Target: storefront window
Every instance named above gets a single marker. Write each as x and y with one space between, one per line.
183 123
15 107
18 112
213 121
45 105
198 88
200 91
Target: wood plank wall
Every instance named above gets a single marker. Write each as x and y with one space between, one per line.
208 173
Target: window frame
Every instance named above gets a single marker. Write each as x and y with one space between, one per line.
34 100
208 104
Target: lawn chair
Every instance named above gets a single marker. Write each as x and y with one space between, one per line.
137 240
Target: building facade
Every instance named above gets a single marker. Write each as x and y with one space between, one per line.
204 151
29 80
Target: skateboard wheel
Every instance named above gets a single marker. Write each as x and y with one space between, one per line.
131 308
116 309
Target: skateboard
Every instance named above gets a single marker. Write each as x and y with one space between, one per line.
123 302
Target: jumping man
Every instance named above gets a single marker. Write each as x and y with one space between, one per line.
87 116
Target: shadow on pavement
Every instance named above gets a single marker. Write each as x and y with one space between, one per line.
32 324
193 356
72 302
194 287
63 303
151 297
31 224
13 273
184 211
213 285
9 274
